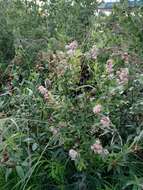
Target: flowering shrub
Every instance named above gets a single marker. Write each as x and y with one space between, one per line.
75 120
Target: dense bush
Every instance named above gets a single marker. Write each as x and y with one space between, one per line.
71 112
7 49
6 40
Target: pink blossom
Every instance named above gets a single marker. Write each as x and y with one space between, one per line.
73 154
46 96
93 52
97 109
42 90
71 52
109 66
105 121
97 147
122 75
72 46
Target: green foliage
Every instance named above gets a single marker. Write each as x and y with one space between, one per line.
7 51
70 18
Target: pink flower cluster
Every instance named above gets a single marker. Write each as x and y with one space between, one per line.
122 75
97 148
97 109
105 121
71 48
92 54
109 66
43 91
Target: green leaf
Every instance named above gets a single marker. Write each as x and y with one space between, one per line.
8 172
34 146
20 171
